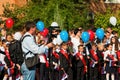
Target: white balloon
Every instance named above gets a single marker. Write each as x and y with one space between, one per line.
113 20
54 41
57 40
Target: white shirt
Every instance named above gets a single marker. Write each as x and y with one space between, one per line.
76 43
106 53
42 58
2 56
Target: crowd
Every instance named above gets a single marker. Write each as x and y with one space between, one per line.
71 60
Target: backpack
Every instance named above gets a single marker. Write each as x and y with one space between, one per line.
15 50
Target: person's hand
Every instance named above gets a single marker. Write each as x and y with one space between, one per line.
18 66
96 62
62 68
6 67
49 45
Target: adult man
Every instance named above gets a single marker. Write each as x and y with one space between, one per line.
29 44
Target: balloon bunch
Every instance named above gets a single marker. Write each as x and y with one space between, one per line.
90 35
44 32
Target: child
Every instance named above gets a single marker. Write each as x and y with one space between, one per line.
65 63
110 60
94 60
81 63
55 63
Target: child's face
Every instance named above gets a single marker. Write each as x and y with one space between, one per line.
65 47
113 40
94 47
81 49
110 47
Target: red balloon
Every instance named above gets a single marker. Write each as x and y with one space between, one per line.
9 23
92 35
45 32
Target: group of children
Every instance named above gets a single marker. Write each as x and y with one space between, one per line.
71 60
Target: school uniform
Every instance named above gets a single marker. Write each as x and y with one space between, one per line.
94 67
101 65
110 68
65 64
118 63
44 67
81 66
54 69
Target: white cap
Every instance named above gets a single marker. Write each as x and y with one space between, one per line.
54 24
17 36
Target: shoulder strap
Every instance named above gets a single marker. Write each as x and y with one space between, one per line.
22 40
24 37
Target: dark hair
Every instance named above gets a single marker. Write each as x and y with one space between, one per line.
107 45
29 25
116 43
80 46
63 43
76 31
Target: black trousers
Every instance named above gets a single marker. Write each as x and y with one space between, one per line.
69 73
80 73
94 73
54 74
44 72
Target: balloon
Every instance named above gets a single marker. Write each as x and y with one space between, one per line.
9 23
92 35
64 36
40 25
45 32
85 37
100 33
57 40
113 20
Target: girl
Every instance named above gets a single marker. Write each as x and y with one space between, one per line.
110 60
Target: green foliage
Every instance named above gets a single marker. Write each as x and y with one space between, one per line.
102 20
69 14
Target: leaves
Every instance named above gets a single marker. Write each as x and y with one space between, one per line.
68 14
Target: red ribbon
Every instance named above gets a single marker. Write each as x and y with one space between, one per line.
47 63
111 57
65 54
118 54
82 59
95 57
55 55
8 56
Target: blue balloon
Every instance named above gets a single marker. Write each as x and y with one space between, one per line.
40 25
100 33
85 37
64 35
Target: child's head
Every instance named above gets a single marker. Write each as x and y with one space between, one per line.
64 46
100 46
80 48
94 46
109 47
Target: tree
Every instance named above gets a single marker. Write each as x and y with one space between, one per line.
68 14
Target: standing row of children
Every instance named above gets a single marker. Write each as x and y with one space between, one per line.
72 60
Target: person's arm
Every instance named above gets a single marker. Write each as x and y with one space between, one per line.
29 44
